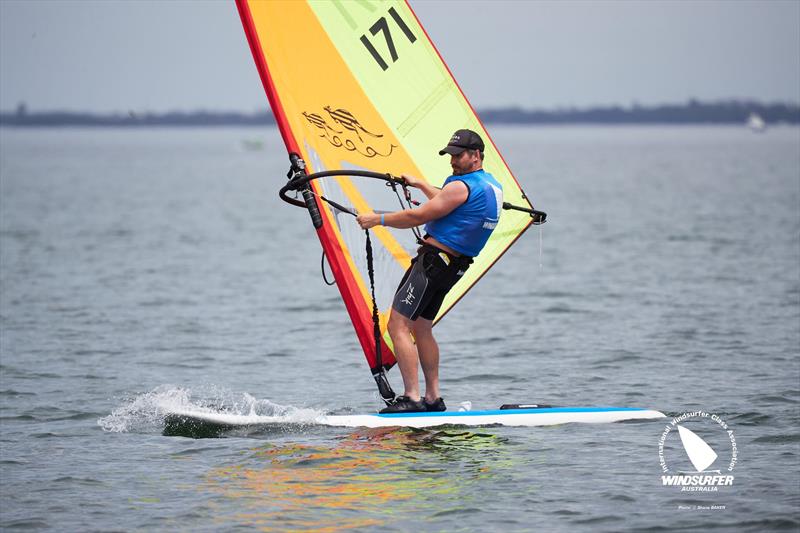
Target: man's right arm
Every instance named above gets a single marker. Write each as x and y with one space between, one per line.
443 202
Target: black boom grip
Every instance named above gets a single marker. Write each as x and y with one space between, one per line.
313 209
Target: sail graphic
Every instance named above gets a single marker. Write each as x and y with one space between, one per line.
359 86
700 454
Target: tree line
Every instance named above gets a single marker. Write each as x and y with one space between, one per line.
691 112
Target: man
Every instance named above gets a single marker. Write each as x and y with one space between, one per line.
459 219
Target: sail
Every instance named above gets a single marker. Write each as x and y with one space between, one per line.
358 85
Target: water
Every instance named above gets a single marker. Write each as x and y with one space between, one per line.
139 267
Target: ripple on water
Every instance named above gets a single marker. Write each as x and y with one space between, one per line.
786 438
11 393
751 418
25 524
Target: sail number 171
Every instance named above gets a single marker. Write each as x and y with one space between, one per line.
382 25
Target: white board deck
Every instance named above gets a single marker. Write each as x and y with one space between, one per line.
541 416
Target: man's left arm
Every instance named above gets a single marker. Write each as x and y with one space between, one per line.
451 196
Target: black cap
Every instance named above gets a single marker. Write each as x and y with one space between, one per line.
463 140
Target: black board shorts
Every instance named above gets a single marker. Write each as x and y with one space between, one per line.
432 274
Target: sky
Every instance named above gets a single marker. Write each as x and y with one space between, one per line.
143 55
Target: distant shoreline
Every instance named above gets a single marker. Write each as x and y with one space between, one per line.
692 112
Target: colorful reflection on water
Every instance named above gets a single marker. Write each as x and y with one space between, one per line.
365 479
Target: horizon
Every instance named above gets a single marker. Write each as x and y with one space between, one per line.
629 106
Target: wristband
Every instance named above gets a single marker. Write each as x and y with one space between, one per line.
382 219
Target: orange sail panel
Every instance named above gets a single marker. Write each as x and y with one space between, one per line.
358 85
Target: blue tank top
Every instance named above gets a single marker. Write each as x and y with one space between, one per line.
467 227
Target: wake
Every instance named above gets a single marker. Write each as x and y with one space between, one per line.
146 412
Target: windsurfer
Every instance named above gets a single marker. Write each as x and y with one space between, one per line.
458 218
